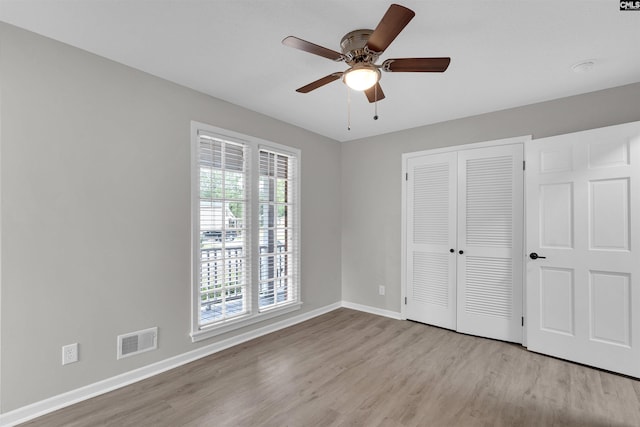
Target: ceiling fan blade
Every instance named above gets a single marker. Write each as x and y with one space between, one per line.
374 93
319 83
416 65
297 43
394 21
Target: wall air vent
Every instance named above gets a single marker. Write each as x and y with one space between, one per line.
137 342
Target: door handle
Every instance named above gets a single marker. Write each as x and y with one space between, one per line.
461 252
452 250
534 255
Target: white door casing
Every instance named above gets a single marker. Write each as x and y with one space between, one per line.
583 216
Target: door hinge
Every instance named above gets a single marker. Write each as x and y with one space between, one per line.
406 176
405 300
522 318
524 165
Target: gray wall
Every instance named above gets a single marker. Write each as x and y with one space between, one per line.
95 212
94 232
372 181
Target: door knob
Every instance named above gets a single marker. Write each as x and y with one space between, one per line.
452 250
534 255
460 252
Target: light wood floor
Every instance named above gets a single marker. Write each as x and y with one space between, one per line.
348 368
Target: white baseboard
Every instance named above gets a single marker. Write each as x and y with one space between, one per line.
54 403
372 310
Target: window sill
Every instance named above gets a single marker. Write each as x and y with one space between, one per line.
230 325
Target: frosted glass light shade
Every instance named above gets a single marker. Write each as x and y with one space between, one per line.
362 77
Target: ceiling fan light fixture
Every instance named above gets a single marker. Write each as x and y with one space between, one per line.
362 76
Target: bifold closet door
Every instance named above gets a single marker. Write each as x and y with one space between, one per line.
430 239
490 242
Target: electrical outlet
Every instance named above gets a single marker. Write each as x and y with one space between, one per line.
70 353
381 290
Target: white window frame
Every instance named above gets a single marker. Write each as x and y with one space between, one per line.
254 315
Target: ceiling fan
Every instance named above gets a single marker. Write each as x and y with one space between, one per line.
362 48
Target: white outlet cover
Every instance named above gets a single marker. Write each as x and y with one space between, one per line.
70 353
381 290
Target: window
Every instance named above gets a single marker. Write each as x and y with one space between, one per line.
245 230
277 247
223 244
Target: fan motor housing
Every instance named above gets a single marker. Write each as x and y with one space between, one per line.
353 46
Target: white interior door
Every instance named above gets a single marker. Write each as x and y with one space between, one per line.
583 222
431 230
490 242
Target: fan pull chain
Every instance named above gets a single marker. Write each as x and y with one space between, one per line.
375 102
348 108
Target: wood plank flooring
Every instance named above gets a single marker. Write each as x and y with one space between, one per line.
348 368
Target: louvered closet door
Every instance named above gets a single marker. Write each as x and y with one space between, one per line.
490 234
431 227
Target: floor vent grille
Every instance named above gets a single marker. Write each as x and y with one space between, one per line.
137 342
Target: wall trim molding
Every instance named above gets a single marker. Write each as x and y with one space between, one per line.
60 401
372 310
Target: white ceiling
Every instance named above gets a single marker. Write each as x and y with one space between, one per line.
504 53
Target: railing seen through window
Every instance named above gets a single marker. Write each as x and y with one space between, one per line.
245 201
224 266
276 224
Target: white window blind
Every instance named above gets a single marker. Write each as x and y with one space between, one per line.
277 235
224 261
245 211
